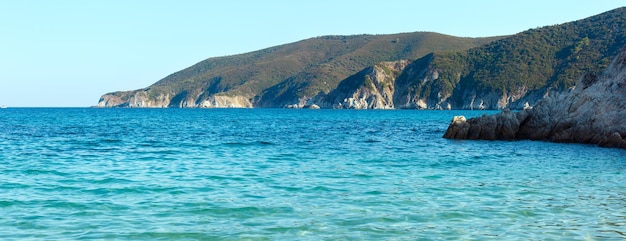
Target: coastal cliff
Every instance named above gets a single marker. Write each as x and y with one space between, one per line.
435 71
286 75
593 112
148 98
371 88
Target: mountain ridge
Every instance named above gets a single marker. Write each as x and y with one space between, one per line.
514 72
443 72
320 62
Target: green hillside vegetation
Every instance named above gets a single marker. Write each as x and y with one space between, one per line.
446 72
326 76
298 69
549 57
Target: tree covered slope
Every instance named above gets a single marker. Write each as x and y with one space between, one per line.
420 70
512 71
283 74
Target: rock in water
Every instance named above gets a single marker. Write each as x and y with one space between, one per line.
594 112
458 128
313 106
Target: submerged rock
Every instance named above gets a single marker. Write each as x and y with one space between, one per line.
594 112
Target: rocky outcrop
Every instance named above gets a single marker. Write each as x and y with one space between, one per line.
148 99
109 100
371 88
593 112
225 102
502 126
419 86
134 99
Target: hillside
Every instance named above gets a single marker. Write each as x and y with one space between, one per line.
286 74
592 113
514 72
371 71
517 71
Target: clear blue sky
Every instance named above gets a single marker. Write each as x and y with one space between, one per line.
67 53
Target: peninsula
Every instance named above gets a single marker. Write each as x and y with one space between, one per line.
420 70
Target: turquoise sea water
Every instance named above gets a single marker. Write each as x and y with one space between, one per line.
275 174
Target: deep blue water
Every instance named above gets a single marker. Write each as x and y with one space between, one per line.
276 174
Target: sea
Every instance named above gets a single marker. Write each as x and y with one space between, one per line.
294 174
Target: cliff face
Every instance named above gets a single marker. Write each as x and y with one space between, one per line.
419 86
148 98
371 88
225 102
134 99
593 112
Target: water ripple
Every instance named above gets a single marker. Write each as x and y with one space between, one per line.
295 175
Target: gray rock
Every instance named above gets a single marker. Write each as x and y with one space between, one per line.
458 129
313 106
594 112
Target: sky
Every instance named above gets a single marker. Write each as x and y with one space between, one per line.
67 53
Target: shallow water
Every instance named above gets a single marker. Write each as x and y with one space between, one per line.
275 174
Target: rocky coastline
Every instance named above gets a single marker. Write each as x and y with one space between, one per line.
592 112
